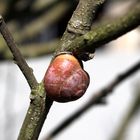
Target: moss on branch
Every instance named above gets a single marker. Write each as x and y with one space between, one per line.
36 114
80 22
40 104
104 33
88 42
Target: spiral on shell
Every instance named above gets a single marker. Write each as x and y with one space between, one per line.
65 80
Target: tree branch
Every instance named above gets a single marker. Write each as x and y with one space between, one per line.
97 98
44 21
134 108
104 33
82 17
80 22
18 58
36 114
31 50
40 104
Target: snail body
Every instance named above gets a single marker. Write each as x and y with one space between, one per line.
65 80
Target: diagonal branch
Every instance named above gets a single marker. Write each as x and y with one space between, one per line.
97 98
44 21
40 104
31 50
80 22
104 33
18 58
133 110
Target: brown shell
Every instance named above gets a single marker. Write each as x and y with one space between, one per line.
65 80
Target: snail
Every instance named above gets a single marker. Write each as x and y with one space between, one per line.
65 79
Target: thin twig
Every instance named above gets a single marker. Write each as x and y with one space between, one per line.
31 50
18 58
45 20
97 98
40 5
133 109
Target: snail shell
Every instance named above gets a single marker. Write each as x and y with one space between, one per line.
65 80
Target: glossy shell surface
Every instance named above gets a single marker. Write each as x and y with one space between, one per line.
65 80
